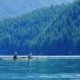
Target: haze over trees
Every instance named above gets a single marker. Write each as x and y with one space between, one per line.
53 30
12 8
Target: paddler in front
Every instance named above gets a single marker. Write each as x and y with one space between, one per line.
15 55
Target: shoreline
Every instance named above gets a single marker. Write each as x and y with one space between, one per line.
39 57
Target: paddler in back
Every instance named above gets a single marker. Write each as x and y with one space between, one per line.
30 56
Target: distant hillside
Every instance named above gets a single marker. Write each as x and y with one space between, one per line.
47 31
11 8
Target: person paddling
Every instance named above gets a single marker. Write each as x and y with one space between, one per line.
15 55
30 55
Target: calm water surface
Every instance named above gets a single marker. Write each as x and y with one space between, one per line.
43 69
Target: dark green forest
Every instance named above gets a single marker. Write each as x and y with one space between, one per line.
53 30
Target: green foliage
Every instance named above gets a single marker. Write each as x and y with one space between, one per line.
53 30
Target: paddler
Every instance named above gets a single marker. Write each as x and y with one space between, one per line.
30 56
15 55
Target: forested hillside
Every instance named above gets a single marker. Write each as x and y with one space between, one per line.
53 30
12 8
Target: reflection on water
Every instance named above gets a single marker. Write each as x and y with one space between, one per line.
44 69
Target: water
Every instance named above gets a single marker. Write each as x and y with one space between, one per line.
43 69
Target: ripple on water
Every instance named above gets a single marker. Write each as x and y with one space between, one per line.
65 76
47 69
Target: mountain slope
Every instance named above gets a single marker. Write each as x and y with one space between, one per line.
62 35
11 8
53 30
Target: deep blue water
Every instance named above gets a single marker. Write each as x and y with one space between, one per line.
40 69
